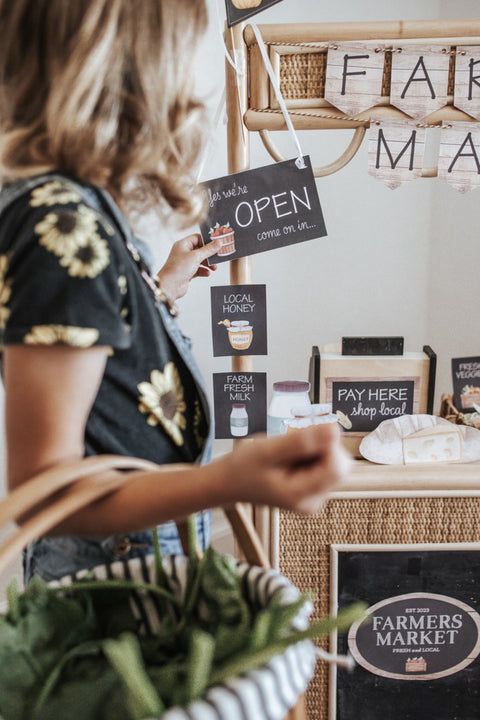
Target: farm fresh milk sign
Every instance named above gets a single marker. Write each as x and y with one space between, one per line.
262 209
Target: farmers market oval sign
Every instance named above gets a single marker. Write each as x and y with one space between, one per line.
418 636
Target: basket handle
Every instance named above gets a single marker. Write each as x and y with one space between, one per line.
39 488
83 485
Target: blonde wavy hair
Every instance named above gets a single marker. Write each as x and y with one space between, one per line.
102 89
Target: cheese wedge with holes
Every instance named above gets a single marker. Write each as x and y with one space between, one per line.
438 443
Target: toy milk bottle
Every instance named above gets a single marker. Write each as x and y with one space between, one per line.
287 394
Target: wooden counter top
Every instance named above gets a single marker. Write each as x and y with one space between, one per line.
434 478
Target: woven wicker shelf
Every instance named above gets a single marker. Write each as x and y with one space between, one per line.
298 54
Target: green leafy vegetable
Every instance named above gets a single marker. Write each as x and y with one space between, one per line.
77 651
126 657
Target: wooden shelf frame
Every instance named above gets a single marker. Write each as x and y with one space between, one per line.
252 107
262 111
263 115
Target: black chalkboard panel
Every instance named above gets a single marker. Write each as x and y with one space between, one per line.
240 404
466 383
367 402
373 577
239 320
361 345
262 209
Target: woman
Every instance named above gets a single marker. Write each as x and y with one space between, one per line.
97 120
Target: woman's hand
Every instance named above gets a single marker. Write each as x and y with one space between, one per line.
293 471
187 259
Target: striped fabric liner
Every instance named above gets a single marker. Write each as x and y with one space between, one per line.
267 693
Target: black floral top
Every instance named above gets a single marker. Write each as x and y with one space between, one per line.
67 277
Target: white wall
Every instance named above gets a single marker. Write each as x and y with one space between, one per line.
453 293
394 261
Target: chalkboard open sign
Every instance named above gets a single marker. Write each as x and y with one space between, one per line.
262 209
366 390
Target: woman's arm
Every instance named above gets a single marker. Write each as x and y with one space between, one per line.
49 393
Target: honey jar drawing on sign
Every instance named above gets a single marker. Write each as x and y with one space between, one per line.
240 333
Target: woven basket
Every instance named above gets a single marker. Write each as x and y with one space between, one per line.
450 412
267 693
271 692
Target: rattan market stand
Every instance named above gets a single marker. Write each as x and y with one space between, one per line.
378 504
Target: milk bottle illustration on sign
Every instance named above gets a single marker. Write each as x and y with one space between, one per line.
239 420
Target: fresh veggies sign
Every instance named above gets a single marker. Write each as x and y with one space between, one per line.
466 383
238 10
259 210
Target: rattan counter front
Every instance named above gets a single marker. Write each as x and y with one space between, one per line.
378 504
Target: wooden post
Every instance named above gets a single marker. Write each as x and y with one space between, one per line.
238 152
238 147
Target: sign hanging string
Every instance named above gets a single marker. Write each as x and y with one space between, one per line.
236 62
299 162
238 66
216 122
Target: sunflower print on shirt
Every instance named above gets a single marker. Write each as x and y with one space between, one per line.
72 236
53 193
5 292
162 400
65 334
88 260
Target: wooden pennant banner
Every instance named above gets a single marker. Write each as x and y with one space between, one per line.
467 80
395 151
459 155
354 76
419 81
